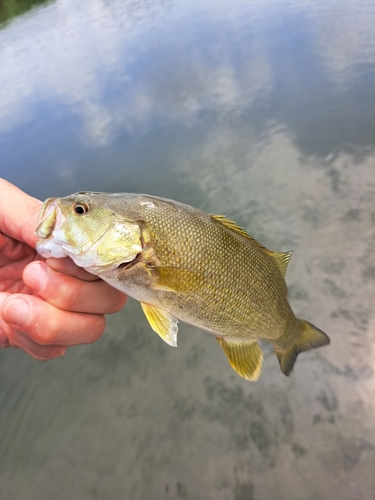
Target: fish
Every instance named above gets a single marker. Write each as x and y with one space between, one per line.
183 264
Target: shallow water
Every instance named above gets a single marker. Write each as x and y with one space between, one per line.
263 111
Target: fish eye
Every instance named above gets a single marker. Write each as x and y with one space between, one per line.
80 208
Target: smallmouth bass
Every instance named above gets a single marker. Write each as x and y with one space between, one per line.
183 264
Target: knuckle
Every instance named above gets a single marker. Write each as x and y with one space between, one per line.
45 333
41 338
63 294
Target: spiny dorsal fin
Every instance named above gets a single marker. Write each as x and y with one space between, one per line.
230 224
281 258
162 323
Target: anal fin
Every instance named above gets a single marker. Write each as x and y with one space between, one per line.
245 357
163 323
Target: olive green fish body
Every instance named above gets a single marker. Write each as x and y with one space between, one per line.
222 281
184 264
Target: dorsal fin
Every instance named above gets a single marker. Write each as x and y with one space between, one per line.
230 224
281 258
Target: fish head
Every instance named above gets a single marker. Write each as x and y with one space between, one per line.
86 227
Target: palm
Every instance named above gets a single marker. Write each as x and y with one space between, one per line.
14 257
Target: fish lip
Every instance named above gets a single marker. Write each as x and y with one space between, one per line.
44 248
49 210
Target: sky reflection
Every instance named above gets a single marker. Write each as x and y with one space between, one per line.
262 111
83 76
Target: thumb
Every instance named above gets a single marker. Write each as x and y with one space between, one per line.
18 213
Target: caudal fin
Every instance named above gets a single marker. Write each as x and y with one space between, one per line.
309 338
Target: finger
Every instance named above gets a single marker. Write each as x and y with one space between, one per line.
46 324
4 341
70 293
16 339
37 351
18 213
67 266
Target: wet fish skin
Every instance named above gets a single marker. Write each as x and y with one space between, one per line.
183 264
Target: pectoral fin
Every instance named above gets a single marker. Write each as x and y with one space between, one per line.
162 323
244 356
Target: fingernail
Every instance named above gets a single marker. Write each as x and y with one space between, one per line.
58 352
16 311
36 276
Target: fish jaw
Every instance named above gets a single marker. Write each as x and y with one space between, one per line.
49 248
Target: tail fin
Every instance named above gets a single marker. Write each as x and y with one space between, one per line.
310 337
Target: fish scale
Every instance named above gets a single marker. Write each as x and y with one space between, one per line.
183 264
228 290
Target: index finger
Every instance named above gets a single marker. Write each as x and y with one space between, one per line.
67 266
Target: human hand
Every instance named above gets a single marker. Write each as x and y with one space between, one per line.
45 305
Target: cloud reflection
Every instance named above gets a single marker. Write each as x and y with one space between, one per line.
286 201
124 67
345 40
